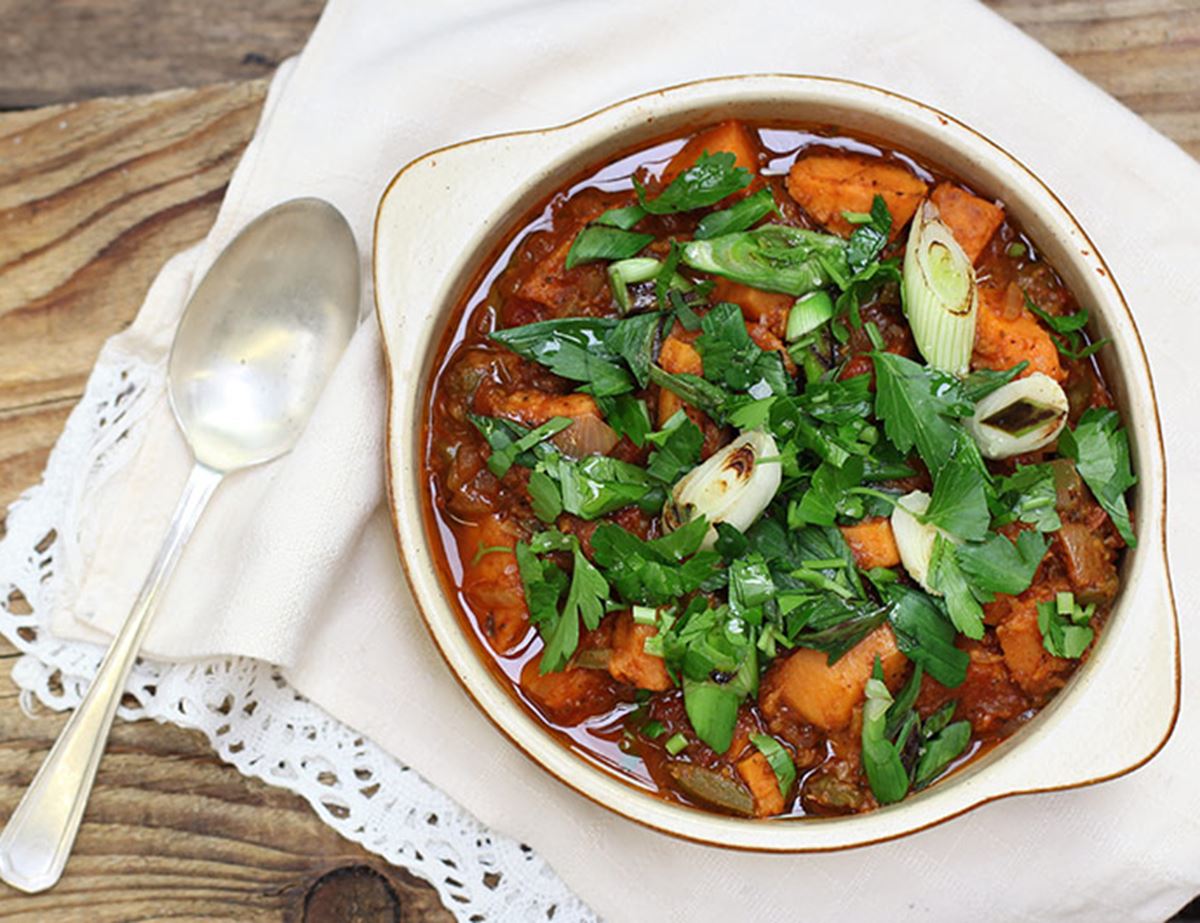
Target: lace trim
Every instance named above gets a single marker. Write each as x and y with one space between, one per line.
253 718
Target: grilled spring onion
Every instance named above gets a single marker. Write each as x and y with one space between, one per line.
808 313
734 485
1021 416
774 257
914 539
940 297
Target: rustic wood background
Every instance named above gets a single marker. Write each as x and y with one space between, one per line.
144 108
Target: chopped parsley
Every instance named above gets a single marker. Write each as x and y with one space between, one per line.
1099 446
712 178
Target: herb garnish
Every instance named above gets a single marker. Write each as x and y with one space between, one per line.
1100 449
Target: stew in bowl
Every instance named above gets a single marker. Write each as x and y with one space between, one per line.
773 467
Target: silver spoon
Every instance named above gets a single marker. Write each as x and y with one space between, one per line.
256 343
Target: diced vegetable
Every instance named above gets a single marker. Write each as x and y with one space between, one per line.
629 663
759 776
828 185
873 543
712 788
939 294
731 136
823 695
1007 334
971 219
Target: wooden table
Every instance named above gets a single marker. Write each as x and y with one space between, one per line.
94 196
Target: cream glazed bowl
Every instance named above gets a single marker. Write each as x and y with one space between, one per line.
444 215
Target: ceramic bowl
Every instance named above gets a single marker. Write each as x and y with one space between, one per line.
443 215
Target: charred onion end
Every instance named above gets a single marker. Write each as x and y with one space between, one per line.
914 539
1022 416
734 485
940 297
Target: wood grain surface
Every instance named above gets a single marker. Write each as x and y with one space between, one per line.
94 195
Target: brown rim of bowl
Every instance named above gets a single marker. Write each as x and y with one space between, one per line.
945 118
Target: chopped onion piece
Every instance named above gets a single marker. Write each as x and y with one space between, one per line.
588 435
1019 417
940 297
732 486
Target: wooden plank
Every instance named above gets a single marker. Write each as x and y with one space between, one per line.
171 831
75 49
93 197
1144 52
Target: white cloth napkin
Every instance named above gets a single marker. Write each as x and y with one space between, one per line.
294 562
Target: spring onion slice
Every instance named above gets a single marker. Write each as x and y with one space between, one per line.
940 296
808 313
676 744
774 257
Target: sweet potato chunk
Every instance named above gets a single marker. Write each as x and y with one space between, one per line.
629 663
825 185
492 584
823 695
570 696
1036 670
678 356
872 543
971 220
760 778
766 309
1007 333
730 136
531 407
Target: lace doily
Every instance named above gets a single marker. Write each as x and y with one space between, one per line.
253 718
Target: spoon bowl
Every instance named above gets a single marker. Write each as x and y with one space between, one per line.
262 333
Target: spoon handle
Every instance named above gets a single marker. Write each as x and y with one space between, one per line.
37 840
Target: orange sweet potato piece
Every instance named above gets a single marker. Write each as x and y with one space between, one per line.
492 584
1036 670
768 309
825 185
872 543
1007 333
971 220
760 778
677 356
825 696
629 663
730 136
570 696
531 407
